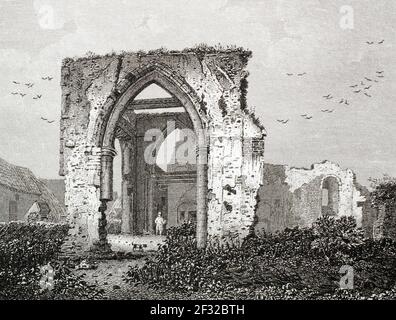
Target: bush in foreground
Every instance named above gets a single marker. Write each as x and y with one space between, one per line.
24 250
296 263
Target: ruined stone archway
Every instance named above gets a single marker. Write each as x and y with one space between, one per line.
127 91
211 84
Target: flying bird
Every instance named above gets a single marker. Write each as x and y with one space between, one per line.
379 72
308 118
380 76
357 91
289 74
38 96
346 102
329 96
368 79
301 74
367 95
381 42
16 82
370 42
342 101
22 94
354 86
14 93
48 121
47 78
367 88
283 121
29 85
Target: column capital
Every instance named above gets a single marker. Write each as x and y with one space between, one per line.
202 148
109 152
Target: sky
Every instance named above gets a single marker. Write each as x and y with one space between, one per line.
325 41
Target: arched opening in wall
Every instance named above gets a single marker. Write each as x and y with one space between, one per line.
155 166
330 196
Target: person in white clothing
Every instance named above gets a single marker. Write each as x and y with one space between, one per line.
159 224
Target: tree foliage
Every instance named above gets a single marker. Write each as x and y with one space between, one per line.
24 250
295 263
384 192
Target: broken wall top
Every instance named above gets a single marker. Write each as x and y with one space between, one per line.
215 80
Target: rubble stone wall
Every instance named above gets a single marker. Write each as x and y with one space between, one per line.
292 197
94 88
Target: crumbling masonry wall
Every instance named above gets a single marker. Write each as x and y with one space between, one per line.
384 225
214 82
292 197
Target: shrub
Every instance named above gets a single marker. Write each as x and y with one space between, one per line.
384 193
307 260
24 250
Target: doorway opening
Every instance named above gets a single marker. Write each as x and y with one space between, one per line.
330 196
155 168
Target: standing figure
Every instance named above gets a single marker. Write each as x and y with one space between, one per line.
159 224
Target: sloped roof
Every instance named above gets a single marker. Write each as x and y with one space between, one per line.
18 178
57 211
57 187
22 180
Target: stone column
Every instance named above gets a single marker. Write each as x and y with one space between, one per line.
150 204
106 177
126 192
202 175
106 194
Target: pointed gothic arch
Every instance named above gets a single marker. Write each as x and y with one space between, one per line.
211 85
124 93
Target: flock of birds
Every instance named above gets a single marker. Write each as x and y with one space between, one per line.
372 42
298 74
362 87
35 96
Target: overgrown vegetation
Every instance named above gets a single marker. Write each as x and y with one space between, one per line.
384 192
203 49
200 50
24 250
293 264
